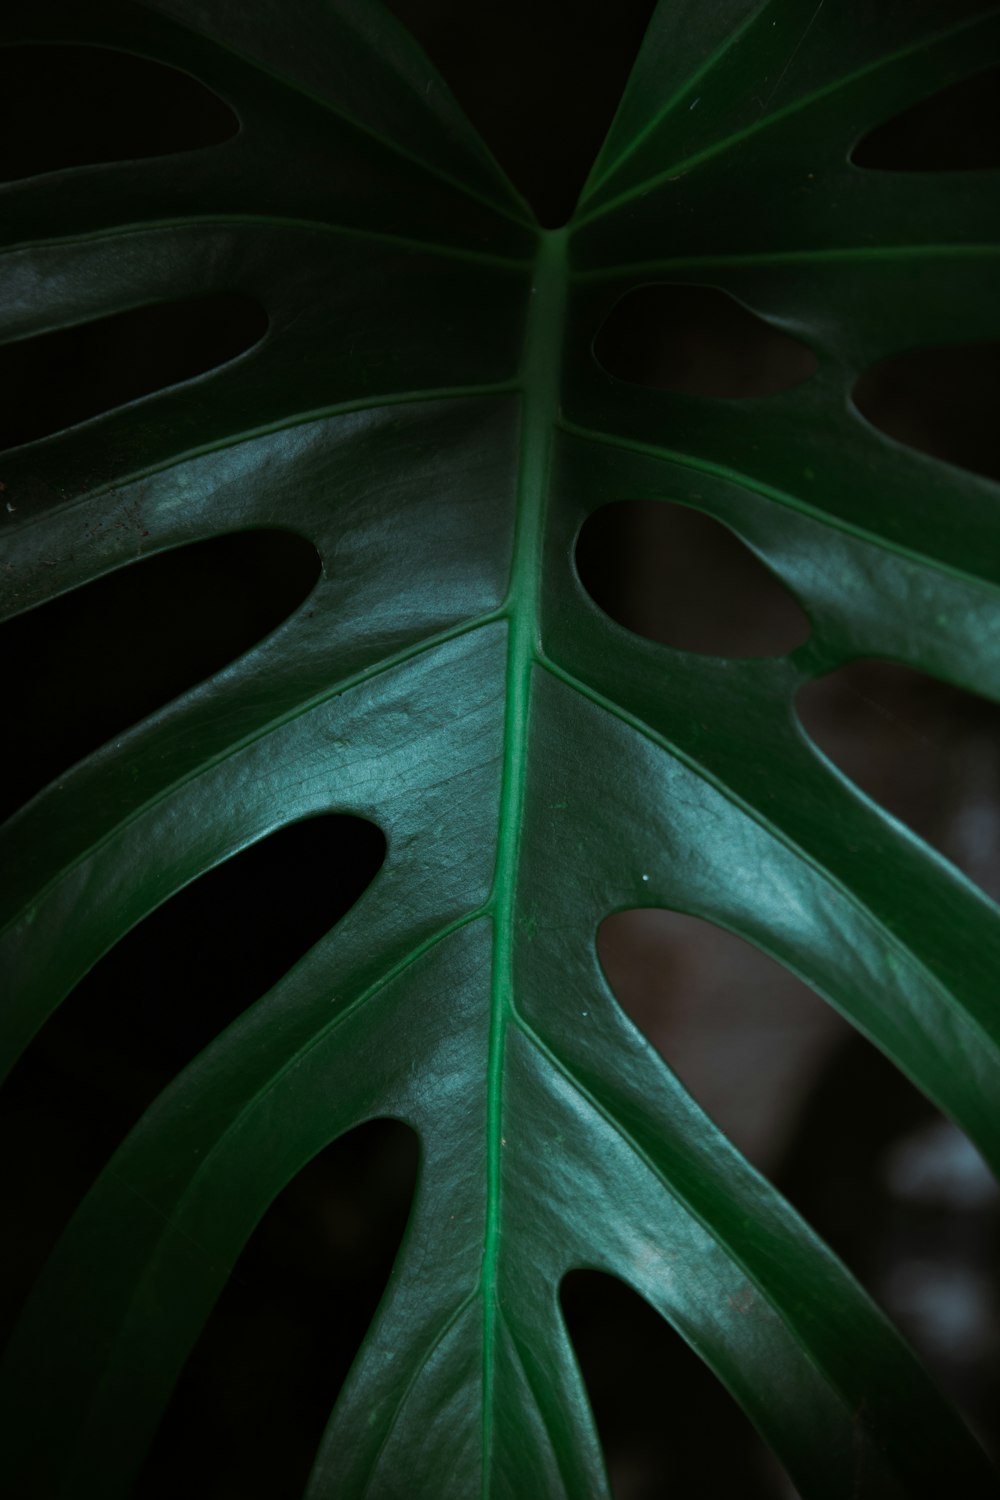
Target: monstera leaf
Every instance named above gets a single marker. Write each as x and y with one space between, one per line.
425 407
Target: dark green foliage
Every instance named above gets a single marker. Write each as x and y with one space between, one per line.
426 409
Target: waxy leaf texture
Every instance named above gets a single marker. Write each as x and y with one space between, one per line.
425 407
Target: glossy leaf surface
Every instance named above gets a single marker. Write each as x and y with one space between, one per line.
426 409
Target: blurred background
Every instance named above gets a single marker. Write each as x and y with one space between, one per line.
895 1189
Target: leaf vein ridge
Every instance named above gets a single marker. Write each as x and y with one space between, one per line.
771 492
335 690
718 148
818 1248
781 836
846 254
137 228
429 1352
295 86
675 99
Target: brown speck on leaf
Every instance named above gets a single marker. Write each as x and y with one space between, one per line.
742 1301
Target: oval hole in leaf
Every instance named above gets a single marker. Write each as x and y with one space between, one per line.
58 379
941 401
927 752
677 576
249 1410
698 340
955 130
569 82
150 1005
91 663
744 1035
907 1202
667 1425
838 1129
73 106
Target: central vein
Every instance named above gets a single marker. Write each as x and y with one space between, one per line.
539 380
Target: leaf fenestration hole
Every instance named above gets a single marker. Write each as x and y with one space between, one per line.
697 1441
678 576
699 341
908 1203
927 752
744 1035
150 1005
941 401
955 130
91 663
59 379
249 1410
75 106
897 1190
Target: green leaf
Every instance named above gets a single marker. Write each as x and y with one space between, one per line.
427 410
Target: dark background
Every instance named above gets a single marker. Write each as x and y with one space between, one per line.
893 1187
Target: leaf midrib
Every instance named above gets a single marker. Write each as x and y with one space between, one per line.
540 382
